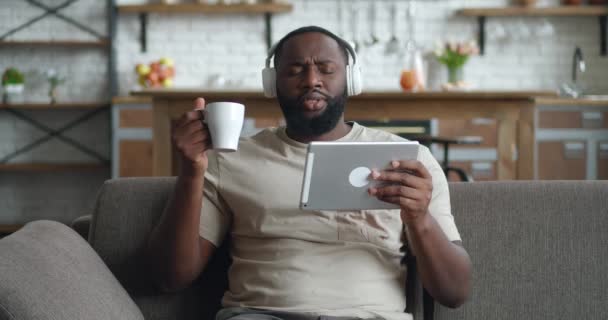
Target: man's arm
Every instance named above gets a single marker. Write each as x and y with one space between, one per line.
175 250
444 267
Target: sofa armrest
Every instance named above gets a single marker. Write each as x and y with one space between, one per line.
48 271
126 211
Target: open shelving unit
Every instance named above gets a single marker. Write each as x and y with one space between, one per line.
50 167
206 8
57 43
267 9
560 11
43 106
98 41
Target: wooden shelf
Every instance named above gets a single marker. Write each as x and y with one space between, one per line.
131 100
50 167
520 11
267 9
536 11
206 8
46 106
57 43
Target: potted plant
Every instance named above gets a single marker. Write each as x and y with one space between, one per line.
13 84
454 56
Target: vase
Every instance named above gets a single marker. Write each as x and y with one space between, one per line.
455 74
53 95
13 93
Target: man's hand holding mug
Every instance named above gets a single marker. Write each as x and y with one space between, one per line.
214 126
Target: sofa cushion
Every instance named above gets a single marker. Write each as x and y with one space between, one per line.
48 271
538 249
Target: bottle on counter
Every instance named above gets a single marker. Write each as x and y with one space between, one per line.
413 75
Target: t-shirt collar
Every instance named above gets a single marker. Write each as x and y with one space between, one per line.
350 136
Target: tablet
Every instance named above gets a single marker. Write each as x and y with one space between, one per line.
337 174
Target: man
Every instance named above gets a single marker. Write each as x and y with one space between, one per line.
293 264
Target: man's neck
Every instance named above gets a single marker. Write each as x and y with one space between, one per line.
340 131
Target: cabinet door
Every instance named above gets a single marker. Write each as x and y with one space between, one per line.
478 127
551 119
135 158
479 170
135 118
562 160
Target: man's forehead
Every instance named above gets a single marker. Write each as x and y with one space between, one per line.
312 43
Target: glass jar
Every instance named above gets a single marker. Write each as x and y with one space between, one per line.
413 75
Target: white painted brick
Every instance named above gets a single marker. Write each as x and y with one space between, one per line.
234 46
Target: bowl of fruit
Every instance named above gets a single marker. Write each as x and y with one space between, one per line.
158 74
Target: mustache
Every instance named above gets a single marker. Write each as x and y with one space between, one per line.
314 94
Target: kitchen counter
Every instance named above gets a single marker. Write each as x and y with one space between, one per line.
506 95
559 101
513 111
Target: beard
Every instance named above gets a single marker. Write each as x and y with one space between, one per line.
300 125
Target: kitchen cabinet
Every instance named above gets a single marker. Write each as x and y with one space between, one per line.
482 128
132 137
478 170
571 139
513 112
562 160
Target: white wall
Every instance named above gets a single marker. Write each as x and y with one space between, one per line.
233 46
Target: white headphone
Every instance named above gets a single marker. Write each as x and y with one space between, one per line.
353 73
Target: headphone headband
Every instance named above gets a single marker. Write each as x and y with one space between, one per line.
354 82
352 54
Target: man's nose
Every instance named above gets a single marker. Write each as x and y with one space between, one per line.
312 78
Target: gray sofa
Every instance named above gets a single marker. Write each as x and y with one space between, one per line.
539 250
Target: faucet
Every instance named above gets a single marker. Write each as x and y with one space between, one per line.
578 64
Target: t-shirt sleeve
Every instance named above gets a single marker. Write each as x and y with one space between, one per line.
439 207
215 213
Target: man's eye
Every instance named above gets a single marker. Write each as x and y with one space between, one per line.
326 69
295 70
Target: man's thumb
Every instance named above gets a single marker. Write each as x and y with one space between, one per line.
199 104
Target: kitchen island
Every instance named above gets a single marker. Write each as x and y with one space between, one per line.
513 111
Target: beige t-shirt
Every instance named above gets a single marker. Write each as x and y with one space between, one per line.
323 262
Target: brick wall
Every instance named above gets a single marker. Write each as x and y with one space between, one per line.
233 47
206 46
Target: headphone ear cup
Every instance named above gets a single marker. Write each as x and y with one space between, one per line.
349 81
353 80
269 82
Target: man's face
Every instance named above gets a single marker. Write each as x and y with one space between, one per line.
311 83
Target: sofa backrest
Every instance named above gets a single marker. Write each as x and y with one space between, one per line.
539 249
126 211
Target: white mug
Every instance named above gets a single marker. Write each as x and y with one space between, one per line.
225 121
